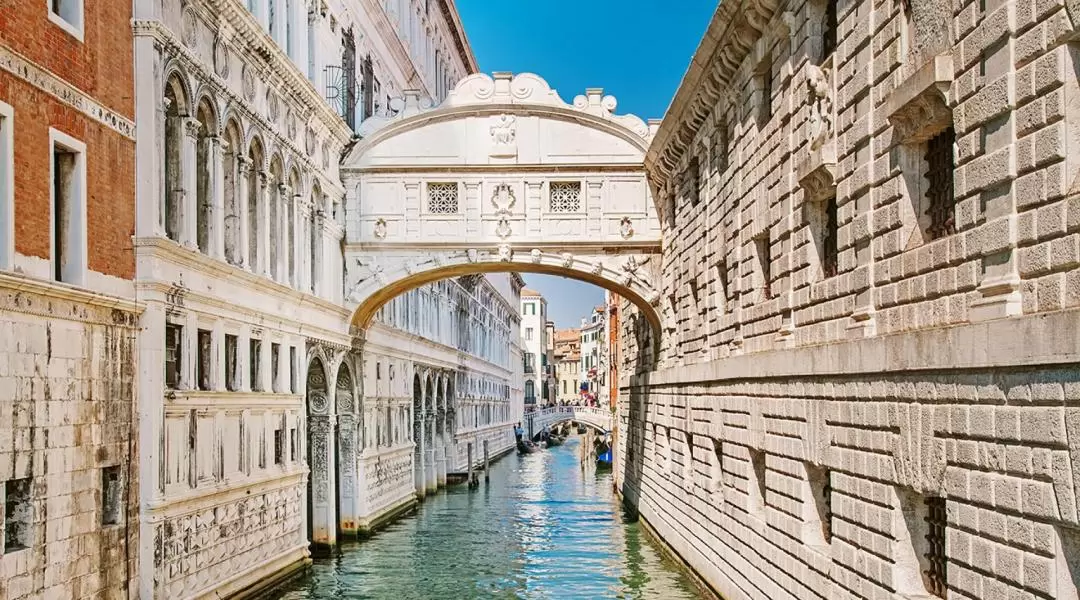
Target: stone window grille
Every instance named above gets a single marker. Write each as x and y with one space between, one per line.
829 249
564 196
442 198
231 345
936 560
279 446
764 79
203 365
275 370
18 514
829 28
720 147
693 181
110 495
174 354
764 255
255 350
939 192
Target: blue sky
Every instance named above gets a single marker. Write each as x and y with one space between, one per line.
637 50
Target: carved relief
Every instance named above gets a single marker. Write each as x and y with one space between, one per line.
221 58
309 142
273 106
536 255
503 199
567 260
626 228
188 27
380 229
503 230
247 82
504 136
506 253
820 123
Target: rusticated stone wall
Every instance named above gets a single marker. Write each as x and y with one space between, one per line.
901 421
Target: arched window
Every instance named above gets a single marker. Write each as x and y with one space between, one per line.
275 201
232 149
530 391
256 157
315 239
291 233
204 204
176 110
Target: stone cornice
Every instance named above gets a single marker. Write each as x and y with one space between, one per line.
193 64
21 67
450 13
62 291
730 37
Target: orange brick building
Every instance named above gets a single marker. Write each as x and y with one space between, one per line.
67 313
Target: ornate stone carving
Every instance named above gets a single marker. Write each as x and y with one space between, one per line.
504 136
506 253
317 402
188 27
471 254
567 260
221 58
819 183
247 82
918 108
820 123
309 142
273 105
597 268
503 199
536 255
626 228
290 124
326 156
380 229
503 230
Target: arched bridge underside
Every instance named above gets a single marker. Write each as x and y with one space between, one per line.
597 418
502 176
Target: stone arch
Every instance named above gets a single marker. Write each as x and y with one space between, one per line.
206 118
275 208
256 181
418 433
319 457
177 109
294 187
234 169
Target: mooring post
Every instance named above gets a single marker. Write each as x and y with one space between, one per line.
486 463
470 463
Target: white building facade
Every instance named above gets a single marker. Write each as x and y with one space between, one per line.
593 351
255 395
533 344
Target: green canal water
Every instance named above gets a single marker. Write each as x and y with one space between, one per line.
542 527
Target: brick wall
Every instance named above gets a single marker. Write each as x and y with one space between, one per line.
884 376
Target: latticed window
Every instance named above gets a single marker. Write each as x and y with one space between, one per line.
173 355
442 198
565 196
939 193
826 505
828 243
936 560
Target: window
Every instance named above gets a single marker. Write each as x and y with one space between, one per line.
255 349
758 488
293 444
722 303
765 264
68 229
205 359
564 196
935 573
528 333
764 77
693 181
819 509
378 371
939 193
174 354
231 345
110 495
442 198
275 368
720 147
18 514
7 187
828 30
829 239
68 15
279 446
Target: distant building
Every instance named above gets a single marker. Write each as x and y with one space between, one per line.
593 351
567 358
533 345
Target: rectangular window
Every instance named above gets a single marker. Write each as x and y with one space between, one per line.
528 333
564 196
764 255
378 371
293 444
68 14
68 226
18 514
255 350
764 78
936 561
720 147
939 193
828 30
110 495
231 345
442 198
174 355
279 446
275 368
693 181
294 370
829 249
7 187
205 359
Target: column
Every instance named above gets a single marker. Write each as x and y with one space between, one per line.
217 197
281 385
430 477
419 455
282 267
188 216
263 208
243 172
217 376
347 490
323 508
266 372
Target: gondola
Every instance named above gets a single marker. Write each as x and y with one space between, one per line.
527 447
603 461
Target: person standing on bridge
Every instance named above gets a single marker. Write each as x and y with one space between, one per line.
518 431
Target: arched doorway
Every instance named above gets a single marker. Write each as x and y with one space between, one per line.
418 435
322 529
431 478
346 450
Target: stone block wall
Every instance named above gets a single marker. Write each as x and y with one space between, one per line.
897 421
68 449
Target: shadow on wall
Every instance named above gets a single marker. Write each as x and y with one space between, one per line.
633 401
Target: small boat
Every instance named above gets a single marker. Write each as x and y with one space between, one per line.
527 447
603 461
555 440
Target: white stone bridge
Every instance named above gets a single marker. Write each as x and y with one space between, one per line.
597 418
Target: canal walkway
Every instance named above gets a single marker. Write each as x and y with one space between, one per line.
542 527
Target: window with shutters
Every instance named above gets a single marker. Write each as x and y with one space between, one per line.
174 344
442 198
941 204
564 196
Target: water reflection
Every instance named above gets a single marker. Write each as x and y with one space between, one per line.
543 527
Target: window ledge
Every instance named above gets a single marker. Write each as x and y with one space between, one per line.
817 173
73 30
918 108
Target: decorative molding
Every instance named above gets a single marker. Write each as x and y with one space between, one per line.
918 108
21 67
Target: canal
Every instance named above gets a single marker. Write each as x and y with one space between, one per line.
542 527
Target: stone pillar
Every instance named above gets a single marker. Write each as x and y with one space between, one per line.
470 459
243 171
266 369
487 461
217 197
188 214
418 455
430 471
263 249
282 266
217 374
347 472
323 509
